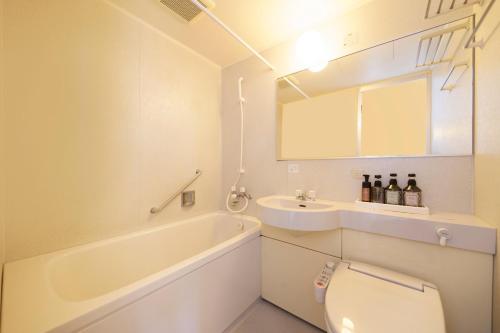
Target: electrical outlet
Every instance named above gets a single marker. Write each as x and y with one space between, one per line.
293 168
357 173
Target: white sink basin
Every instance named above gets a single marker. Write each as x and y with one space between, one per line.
290 213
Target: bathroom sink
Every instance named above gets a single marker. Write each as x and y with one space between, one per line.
290 213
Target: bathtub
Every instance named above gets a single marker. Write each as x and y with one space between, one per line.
196 275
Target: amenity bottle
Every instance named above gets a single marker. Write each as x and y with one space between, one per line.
378 190
412 194
393 194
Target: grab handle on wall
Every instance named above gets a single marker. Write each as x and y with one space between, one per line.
156 210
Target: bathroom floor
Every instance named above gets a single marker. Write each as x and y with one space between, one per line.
264 317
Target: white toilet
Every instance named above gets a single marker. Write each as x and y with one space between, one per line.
367 299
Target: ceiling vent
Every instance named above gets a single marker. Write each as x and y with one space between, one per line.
186 9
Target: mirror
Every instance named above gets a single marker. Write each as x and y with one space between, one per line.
409 97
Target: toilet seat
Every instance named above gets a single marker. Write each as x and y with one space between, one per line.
367 299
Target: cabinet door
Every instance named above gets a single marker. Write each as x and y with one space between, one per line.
288 272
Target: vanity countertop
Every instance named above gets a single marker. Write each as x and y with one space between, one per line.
466 231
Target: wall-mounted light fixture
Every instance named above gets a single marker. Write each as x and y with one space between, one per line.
310 51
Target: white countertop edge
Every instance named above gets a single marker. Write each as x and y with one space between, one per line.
464 236
468 232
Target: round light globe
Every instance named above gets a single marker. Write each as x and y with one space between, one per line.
310 51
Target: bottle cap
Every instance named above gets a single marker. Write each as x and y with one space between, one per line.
411 179
367 183
393 174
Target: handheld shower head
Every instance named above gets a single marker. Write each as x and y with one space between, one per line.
240 93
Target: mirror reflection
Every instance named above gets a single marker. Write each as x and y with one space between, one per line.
409 97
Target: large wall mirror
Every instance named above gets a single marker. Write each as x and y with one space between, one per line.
409 97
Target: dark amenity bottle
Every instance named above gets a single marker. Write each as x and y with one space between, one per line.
412 194
393 194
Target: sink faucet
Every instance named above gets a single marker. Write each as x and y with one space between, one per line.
302 195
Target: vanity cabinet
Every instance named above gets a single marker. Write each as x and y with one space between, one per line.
288 272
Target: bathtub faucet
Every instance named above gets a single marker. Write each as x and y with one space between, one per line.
236 196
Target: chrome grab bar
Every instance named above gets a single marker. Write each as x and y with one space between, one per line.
156 210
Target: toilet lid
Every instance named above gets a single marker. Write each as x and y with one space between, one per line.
367 299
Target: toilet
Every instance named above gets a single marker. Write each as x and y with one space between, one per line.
367 299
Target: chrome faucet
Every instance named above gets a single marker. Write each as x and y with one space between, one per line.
300 195
244 194
236 196
305 196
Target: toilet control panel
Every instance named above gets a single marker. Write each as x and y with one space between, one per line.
324 277
321 282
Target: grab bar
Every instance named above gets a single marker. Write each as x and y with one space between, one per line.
156 210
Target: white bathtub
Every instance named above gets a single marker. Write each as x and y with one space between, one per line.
196 275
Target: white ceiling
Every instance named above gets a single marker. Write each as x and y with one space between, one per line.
262 23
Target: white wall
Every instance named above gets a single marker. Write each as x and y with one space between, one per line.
106 117
487 158
443 190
